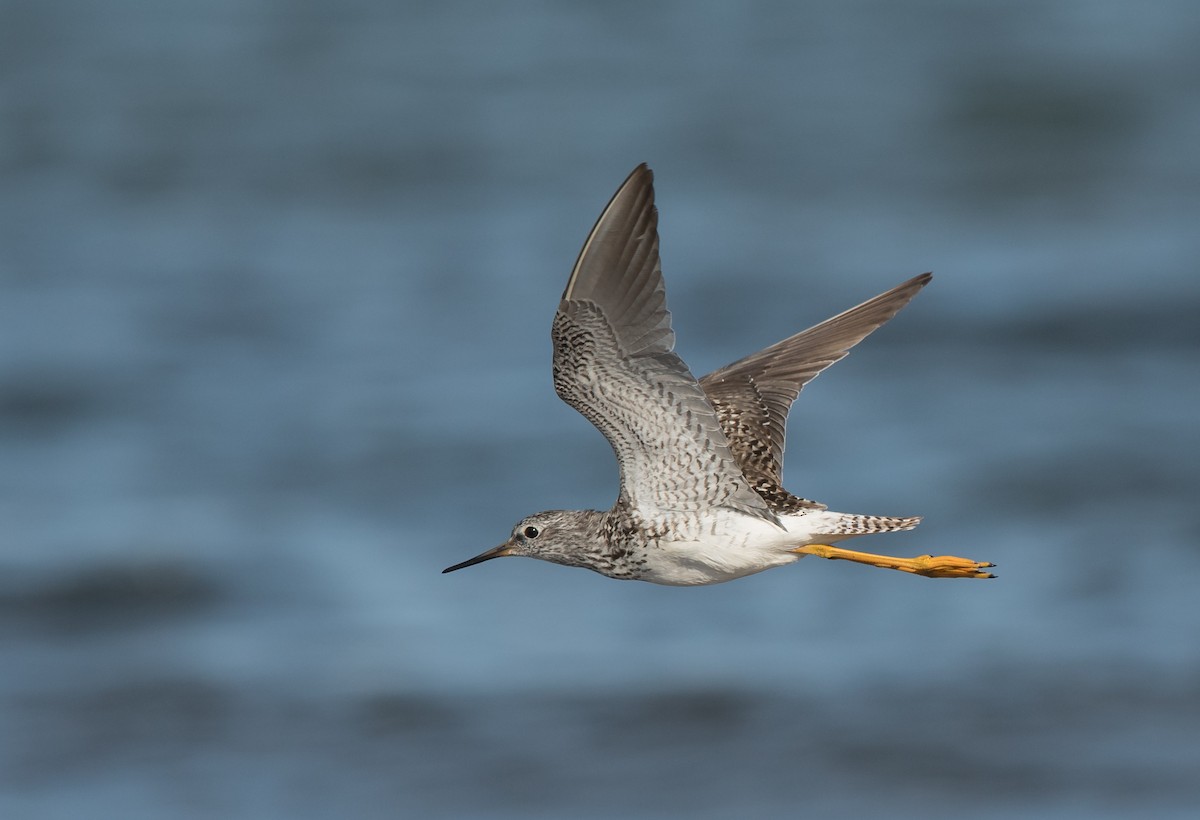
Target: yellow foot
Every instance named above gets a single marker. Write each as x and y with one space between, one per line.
940 566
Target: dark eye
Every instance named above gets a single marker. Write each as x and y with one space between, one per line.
532 532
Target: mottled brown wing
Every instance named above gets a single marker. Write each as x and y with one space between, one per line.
613 362
752 396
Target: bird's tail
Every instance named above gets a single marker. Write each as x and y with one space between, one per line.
849 525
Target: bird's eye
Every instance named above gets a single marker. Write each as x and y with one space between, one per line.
532 532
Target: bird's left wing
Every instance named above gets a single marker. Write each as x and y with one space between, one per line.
752 396
614 363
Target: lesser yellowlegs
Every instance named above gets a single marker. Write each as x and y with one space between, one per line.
701 498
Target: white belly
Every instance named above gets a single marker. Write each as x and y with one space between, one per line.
737 546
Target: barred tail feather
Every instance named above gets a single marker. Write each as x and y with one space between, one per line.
867 524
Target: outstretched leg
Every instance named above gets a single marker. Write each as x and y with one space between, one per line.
940 566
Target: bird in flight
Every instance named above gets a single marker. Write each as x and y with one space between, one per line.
701 499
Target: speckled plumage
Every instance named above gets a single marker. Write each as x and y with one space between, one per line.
701 498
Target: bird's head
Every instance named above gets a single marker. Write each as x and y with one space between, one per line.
560 536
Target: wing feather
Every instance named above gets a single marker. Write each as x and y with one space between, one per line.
753 395
614 362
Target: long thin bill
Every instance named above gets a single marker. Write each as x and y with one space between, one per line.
495 552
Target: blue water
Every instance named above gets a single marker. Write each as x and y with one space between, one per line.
276 283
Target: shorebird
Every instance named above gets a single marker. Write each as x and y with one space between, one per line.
701 499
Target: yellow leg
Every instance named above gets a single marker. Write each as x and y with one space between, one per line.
941 566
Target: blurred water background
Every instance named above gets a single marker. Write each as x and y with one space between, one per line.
276 282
